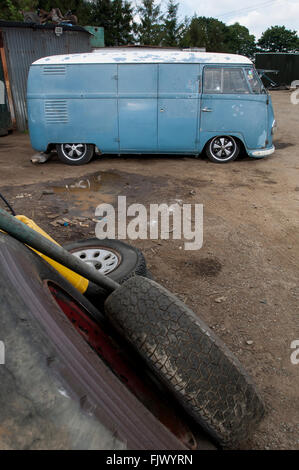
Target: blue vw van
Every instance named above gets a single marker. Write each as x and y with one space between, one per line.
149 101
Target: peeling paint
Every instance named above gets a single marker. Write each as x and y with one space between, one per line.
150 57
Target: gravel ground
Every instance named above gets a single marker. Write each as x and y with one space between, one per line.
243 281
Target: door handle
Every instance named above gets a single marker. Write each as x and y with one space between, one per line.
207 110
162 110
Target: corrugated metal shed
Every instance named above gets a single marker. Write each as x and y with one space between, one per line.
26 42
286 64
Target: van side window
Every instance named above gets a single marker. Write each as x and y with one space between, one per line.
212 80
225 80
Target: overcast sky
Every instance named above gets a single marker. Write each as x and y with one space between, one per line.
256 15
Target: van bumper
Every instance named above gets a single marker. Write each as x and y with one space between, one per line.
260 153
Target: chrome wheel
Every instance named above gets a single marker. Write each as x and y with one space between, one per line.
103 260
223 148
74 152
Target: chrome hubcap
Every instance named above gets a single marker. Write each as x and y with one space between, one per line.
103 260
73 151
223 148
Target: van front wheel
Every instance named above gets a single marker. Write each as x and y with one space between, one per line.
75 154
222 149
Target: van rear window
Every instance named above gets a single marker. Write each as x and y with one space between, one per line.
226 80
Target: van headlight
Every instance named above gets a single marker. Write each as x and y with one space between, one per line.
274 127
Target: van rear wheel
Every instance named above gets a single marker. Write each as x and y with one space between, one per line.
222 149
75 154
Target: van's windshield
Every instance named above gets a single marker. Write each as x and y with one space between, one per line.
254 81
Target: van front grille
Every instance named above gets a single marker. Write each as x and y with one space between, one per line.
54 69
56 111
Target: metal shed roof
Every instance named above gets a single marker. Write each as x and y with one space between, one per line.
150 56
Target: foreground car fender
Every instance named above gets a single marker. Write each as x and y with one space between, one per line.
55 392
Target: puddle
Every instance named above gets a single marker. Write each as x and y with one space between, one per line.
85 194
99 182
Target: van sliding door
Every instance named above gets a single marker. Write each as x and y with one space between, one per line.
178 106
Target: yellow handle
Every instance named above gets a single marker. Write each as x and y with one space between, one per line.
75 279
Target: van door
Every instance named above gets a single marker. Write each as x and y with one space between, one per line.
137 107
178 107
234 102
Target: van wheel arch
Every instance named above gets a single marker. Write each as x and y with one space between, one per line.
241 144
49 148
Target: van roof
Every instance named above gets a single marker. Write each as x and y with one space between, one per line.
149 56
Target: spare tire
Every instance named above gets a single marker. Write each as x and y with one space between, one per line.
114 258
193 363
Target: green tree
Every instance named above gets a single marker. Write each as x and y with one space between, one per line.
116 17
172 29
128 23
206 32
239 41
102 15
279 39
122 18
193 35
185 27
12 9
149 30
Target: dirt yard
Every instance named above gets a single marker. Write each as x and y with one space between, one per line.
244 281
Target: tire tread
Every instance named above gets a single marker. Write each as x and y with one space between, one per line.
188 358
